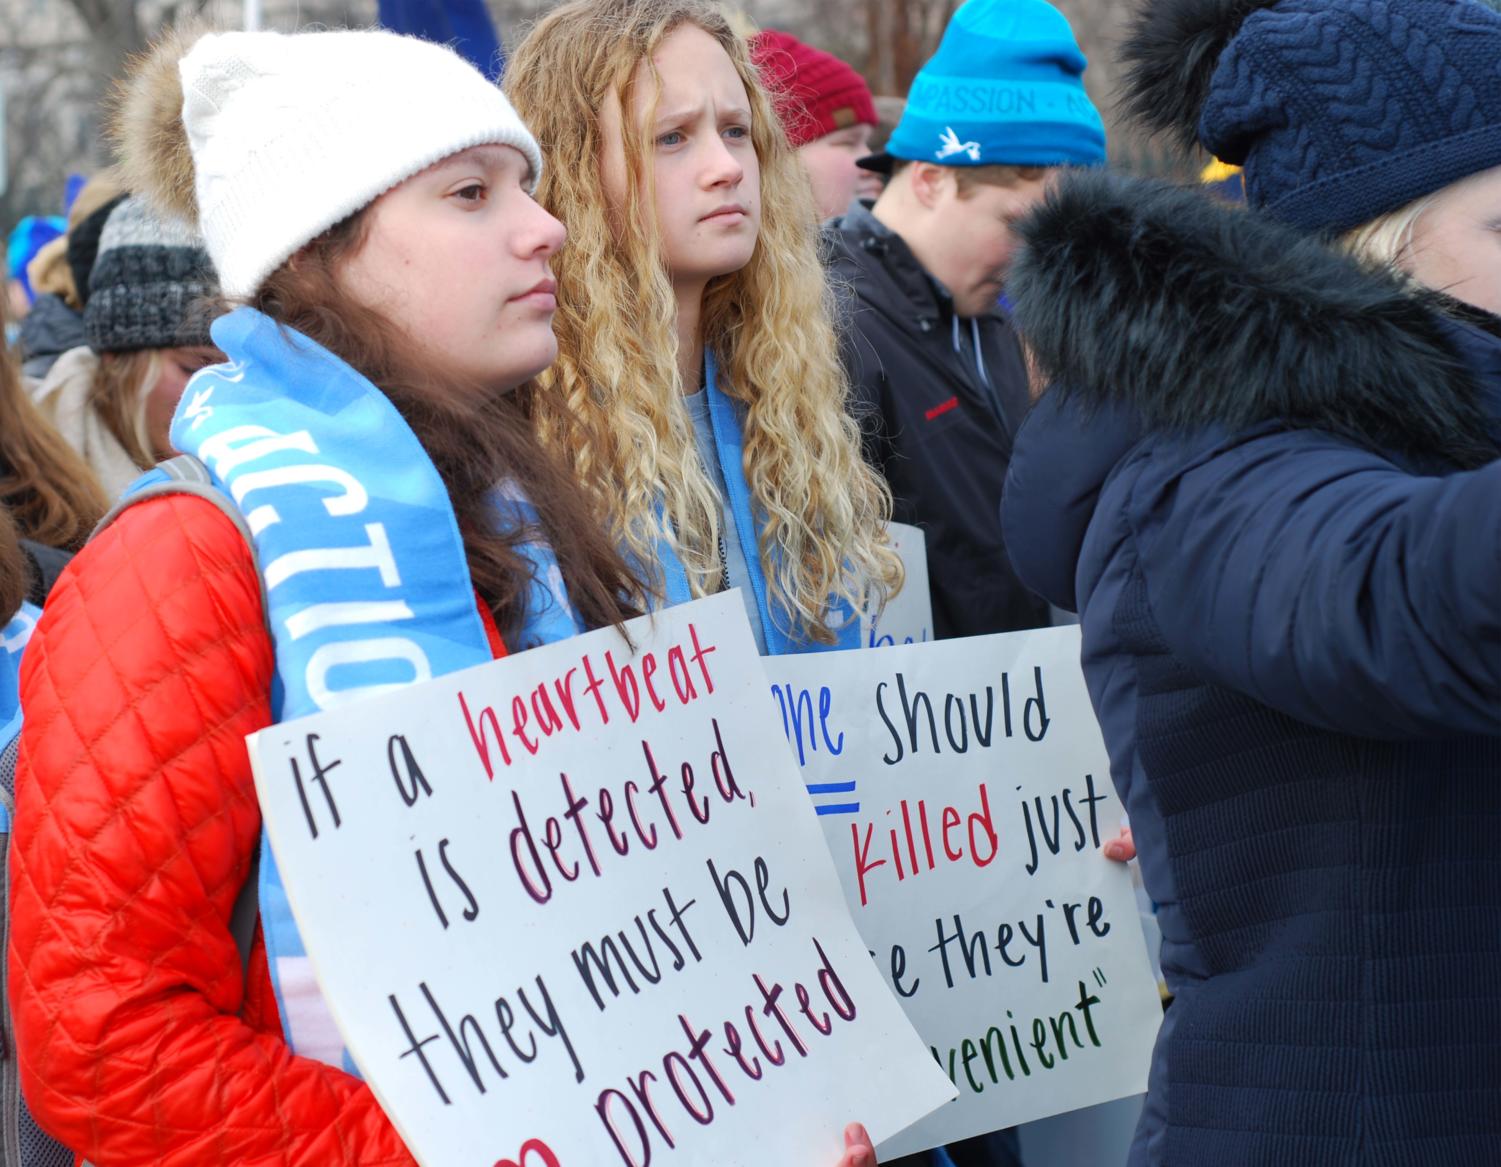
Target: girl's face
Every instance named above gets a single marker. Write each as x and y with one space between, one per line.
458 256
707 175
1456 244
174 367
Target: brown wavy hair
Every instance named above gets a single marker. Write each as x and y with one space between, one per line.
476 440
612 401
15 573
53 496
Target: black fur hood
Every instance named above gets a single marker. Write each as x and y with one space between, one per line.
1192 313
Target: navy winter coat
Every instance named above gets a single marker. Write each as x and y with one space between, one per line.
1271 492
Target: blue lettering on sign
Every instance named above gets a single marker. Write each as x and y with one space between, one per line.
802 727
816 789
880 639
806 725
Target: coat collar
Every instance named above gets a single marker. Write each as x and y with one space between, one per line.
1194 314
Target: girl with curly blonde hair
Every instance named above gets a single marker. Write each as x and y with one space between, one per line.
698 387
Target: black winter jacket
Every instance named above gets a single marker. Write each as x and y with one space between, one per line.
50 329
935 425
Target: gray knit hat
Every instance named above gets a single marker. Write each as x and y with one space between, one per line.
149 282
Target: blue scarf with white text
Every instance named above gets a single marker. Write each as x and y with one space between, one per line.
363 568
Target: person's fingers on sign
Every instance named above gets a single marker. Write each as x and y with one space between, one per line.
1122 848
858 1151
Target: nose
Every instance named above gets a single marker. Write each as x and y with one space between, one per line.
720 166
868 185
543 235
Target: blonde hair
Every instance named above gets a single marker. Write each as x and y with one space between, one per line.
613 399
1386 241
118 395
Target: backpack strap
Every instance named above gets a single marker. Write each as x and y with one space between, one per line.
185 474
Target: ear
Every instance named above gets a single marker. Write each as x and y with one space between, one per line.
931 184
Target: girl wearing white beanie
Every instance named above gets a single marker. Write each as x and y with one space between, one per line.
376 500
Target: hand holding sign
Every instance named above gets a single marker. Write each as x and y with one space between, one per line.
572 904
1122 848
858 1149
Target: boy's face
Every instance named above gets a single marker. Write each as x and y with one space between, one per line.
969 240
830 163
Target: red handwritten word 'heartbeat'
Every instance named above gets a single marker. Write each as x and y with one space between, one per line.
574 702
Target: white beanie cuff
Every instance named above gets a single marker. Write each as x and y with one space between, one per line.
293 134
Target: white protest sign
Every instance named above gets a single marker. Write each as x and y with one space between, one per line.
965 791
908 615
574 910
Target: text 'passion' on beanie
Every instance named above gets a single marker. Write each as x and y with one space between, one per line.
269 139
149 283
1006 86
815 93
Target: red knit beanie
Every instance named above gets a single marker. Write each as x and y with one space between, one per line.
815 93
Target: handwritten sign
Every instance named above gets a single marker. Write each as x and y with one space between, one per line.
908 615
572 909
965 791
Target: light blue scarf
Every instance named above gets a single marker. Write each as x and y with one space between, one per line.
13 640
726 418
366 583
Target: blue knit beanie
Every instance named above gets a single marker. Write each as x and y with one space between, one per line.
1340 111
1005 87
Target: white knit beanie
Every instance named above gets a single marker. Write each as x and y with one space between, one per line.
290 134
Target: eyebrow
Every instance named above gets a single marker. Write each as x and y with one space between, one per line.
683 114
693 112
484 156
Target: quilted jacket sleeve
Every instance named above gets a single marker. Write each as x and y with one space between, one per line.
136 822
1324 581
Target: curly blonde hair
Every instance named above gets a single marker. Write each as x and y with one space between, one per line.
613 399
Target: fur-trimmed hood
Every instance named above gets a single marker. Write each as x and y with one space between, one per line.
1190 313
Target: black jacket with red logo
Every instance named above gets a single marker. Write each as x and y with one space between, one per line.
938 418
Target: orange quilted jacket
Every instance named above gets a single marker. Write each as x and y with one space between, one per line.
139 1040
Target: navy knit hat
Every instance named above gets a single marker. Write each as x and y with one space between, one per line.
1340 111
1006 86
148 283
